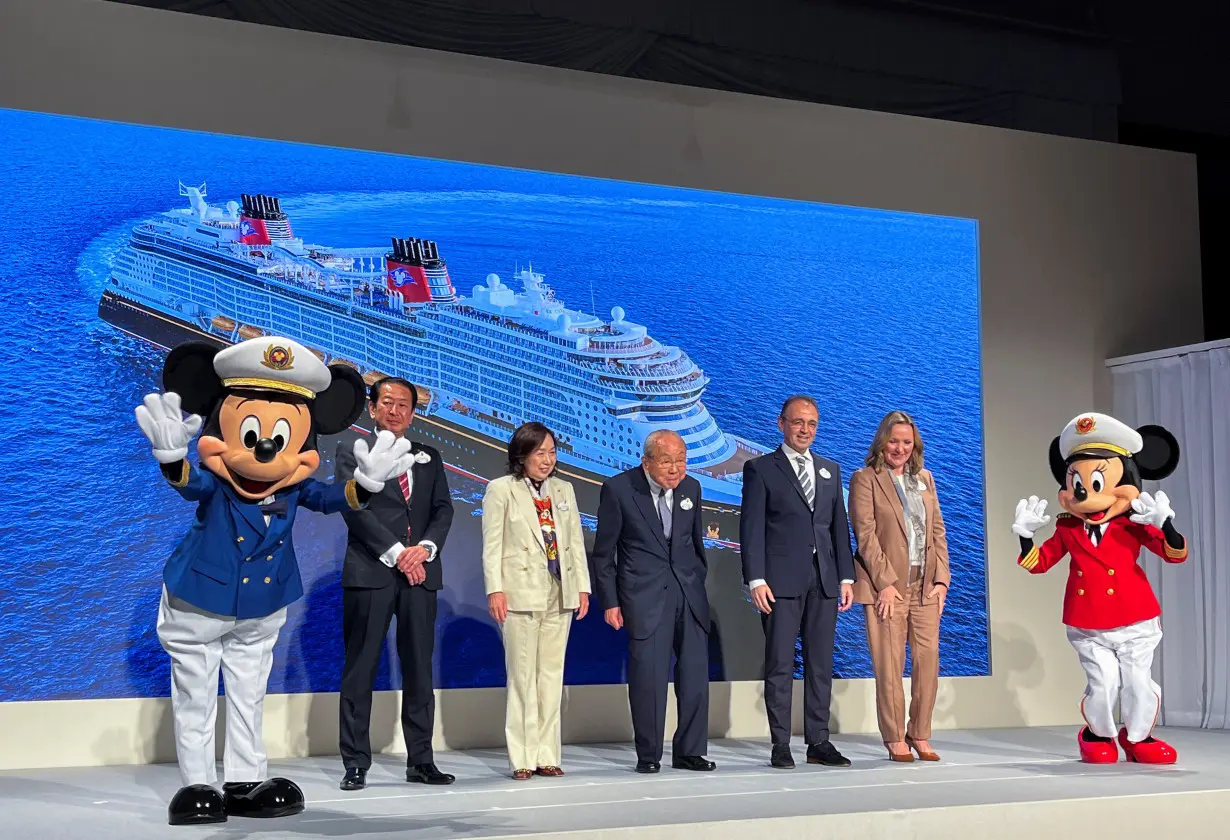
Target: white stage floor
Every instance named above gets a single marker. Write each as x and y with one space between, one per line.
601 795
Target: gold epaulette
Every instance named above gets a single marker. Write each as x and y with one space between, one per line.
1064 515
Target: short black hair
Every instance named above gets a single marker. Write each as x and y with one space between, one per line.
373 393
527 438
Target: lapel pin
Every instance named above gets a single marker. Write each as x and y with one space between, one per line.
824 473
686 504
421 457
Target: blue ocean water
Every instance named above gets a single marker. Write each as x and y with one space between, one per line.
866 310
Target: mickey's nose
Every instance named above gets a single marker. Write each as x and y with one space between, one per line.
1078 491
265 450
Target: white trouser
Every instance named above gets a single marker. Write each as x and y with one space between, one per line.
198 643
1118 666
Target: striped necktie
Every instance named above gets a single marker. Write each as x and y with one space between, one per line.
808 490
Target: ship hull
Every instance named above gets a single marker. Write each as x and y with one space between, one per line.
463 449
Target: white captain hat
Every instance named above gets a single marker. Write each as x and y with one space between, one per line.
270 363
1099 434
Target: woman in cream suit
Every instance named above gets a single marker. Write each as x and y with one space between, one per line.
901 579
537 576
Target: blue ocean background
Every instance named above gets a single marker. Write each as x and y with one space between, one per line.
867 310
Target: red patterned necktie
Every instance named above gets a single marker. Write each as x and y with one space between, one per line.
404 481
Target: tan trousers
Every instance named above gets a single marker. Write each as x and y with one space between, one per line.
919 622
534 645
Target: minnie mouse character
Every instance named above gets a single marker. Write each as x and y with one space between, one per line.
1111 613
227 585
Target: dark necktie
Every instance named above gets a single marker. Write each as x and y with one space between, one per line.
1095 534
664 513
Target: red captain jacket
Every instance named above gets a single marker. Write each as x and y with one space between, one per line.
1107 588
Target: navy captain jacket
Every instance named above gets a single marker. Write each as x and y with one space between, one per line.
230 563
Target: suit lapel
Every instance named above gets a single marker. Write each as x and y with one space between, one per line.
890 490
678 528
787 467
555 489
644 500
250 511
523 497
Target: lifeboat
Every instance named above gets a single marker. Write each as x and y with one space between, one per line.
246 332
346 363
317 353
422 396
223 324
372 377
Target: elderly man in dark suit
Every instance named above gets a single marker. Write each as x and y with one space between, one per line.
797 563
392 567
649 562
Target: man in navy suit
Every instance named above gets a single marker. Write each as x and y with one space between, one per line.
649 564
798 565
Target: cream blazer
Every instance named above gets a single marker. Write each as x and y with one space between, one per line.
514 556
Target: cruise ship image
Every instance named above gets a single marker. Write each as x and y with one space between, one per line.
483 363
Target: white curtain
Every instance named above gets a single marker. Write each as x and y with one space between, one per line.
1189 394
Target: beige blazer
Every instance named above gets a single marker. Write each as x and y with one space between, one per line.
514 556
883 557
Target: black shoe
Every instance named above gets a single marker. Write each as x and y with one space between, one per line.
648 767
263 800
825 753
781 757
428 774
196 805
692 762
355 779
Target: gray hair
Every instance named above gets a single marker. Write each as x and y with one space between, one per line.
657 435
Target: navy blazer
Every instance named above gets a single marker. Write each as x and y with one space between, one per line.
779 535
632 557
230 563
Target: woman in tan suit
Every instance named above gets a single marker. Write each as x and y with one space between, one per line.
537 577
901 579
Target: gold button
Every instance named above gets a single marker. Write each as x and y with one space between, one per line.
270 557
239 540
1079 573
1080 592
267 580
245 580
1110 571
1110 592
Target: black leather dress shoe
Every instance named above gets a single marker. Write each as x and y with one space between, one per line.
648 767
355 779
196 805
274 797
781 757
428 774
692 762
825 753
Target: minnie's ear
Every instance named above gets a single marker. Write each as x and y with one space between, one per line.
1059 466
189 372
1160 454
339 405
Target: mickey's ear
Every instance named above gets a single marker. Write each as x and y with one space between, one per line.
341 403
1059 466
1160 454
189 372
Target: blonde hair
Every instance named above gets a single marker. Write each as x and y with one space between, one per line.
875 455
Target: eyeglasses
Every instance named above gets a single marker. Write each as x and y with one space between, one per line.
670 462
799 423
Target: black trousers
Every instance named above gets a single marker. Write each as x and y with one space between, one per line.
366 614
649 662
815 617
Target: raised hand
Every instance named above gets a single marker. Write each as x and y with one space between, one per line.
1152 510
389 456
163 423
1030 516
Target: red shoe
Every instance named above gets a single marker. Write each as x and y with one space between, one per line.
1148 751
1101 751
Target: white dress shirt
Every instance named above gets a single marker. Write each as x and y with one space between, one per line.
656 489
389 558
795 458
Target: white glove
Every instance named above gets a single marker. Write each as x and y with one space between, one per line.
389 456
162 421
1152 511
1030 516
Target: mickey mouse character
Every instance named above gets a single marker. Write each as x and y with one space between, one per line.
1111 613
227 584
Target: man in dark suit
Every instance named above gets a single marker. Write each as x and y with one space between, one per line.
795 543
649 562
392 567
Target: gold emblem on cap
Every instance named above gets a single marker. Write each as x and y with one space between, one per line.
1085 425
278 357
